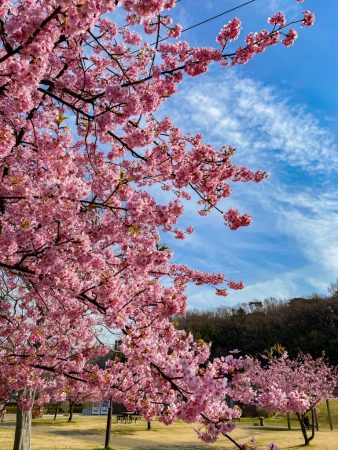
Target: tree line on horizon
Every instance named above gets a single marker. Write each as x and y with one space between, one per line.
309 325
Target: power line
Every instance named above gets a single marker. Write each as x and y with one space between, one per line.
210 19
218 15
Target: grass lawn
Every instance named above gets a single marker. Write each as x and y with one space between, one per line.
87 433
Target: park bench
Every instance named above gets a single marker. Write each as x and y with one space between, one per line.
128 417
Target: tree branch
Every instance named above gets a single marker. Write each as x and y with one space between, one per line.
32 36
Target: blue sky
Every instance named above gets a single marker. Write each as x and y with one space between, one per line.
280 111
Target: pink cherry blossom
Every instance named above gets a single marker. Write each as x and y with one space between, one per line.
235 285
309 19
290 37
230 31
278 19
83 150
175 32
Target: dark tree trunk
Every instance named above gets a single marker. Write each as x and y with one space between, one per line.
56 411
300 418
70 418
23 430
148 425
329 414
316 418
313 420
288 420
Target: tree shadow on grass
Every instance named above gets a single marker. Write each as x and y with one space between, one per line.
142 444
270 428
300 446
51 423
7 424
176 447
90 431
146 446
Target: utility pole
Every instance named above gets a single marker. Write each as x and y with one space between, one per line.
109 420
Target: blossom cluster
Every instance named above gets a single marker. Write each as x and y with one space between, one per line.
229 32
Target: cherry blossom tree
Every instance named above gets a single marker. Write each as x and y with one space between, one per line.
297 385
78 392
82 147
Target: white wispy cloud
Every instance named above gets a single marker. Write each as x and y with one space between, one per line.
313 220
284 5
259 120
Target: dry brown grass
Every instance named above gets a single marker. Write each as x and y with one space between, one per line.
87 433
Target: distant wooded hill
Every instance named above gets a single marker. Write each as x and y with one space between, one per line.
306 324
